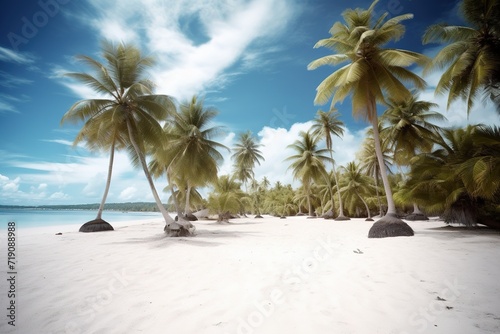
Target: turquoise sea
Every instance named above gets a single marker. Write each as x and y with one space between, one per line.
40 218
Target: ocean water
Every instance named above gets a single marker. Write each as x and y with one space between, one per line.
40 218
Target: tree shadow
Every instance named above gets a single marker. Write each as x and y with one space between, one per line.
455 232
202 238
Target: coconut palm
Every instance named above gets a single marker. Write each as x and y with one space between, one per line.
226 199
128 103
100 134
279 201
409 130
191 150
459 179
246 155
325 125
308 164
369 162
471 57
372 73
356 185
325 186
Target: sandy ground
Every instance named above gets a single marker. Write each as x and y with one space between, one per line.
269 275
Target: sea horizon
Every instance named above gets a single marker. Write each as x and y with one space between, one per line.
27 218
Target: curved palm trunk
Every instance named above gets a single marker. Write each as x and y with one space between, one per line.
187 207
381 212
108 180
389 225
366 206
159 204
341 205
416 209
391 207
309 204
174 198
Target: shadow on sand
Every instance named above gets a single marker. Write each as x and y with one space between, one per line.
453 231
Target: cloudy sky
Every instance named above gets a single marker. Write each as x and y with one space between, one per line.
247 58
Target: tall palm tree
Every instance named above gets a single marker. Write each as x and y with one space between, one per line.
369 161
472 54
246 155
191 150
226 199
459 179
128 103
372 73
409 130
308 162
100 134
265 183
356 185
325 125
325 186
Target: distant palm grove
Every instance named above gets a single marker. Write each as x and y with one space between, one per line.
408 166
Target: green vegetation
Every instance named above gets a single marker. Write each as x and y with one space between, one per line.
450 172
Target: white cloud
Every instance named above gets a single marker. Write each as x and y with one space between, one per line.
274 143
11 186
58 196
482 112
196 42
128 194
12 56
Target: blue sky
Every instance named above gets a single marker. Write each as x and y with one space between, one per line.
247 58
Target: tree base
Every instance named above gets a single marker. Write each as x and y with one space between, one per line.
179 229
416 216
96 225
300 214
190 217
328 215
368 220
390 226
340 218
259 216
283 217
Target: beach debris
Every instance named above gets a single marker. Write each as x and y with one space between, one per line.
441 299
59 233
358 251
449 307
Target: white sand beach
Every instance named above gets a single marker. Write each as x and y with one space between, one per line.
271 275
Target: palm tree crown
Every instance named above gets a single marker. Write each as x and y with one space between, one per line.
472 54
408 127
325 125
129 112
246 155
372 73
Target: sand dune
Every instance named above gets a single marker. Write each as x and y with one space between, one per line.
269 275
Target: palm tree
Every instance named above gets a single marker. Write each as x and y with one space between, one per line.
459 179
372 73
279 201
325 125
191 150
369 162
128 103
308 163
409 131
472 54
97 134
246 155
356 186
325 187
226 198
